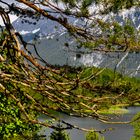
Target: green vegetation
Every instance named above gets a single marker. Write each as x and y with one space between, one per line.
29 86
93 136
123 90
136 125
11 122
106 91
59 135
114 110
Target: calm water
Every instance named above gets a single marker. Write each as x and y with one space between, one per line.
120 132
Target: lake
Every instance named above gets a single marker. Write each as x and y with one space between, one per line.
119 132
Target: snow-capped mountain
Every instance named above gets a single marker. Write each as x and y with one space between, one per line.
51 38
30 28
45 27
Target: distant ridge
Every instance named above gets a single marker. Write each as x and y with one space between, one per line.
47 28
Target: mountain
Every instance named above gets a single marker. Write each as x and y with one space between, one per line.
51 38
44 27
30 27
133 15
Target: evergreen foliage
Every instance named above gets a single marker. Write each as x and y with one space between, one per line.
59 135
93 136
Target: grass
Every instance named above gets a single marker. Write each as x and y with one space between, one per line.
114 110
